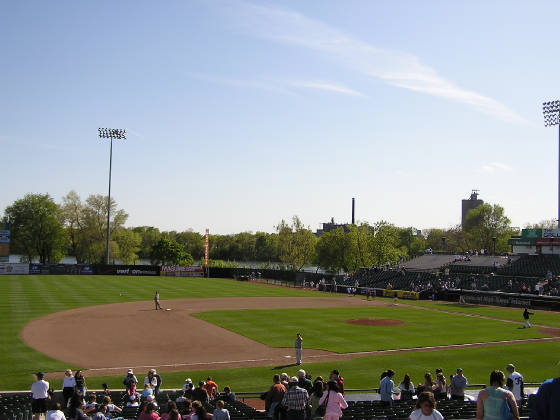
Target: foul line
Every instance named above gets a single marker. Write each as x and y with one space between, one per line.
343 355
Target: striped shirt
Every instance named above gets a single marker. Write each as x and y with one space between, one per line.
295 399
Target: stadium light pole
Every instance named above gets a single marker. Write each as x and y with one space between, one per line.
118 134
551 113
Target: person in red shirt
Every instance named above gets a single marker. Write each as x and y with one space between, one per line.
335 376
149 413
211 387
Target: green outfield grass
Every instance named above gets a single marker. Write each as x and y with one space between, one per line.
326 329
536 362
29 297
512 314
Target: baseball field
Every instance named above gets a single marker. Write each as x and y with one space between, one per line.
242 333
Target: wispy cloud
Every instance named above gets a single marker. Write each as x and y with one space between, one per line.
282 86
327 86
497 167
396 68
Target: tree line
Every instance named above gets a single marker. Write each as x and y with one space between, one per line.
45 230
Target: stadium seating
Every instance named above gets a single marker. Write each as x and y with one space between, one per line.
18 407
533 266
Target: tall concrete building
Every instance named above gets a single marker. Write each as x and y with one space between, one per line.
467 205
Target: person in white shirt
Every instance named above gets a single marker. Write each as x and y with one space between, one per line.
426 408
55 412
68 385
515 383
39 389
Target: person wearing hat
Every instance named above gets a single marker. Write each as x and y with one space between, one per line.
199 393
130 382
40 394
295 401
515 383
458 385
154 380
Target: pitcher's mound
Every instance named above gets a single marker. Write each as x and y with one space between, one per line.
374 322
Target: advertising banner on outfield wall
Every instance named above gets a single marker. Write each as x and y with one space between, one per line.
127 270
551 233
14 268
85 269
401 294
181 271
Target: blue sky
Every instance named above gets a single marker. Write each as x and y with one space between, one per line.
241 113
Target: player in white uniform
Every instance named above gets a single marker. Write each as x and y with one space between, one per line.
515 383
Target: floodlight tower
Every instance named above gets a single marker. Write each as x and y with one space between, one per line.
118 134
551 113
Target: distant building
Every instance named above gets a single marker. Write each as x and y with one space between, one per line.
330 226
467 205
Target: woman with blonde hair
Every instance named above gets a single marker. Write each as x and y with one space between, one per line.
68 386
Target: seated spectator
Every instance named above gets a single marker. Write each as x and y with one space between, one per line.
100 413
181 398
149 412
55 411
228 395
76 411
199 413
211 388
132 401
147 391
111 408
491 400
220 413
151 399
171 405
426 408
199 393
91 405
407 388
334 400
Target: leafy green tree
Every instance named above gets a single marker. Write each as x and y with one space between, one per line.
149 236
193 242
266 246
296 244
169 252
37 229
71 210
385 244
86 225
484 223
128 243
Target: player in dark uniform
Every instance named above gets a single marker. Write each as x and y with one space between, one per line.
526 315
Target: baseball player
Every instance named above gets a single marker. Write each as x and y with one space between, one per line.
526 315
156 301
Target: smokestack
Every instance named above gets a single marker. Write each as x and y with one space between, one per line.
353 209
